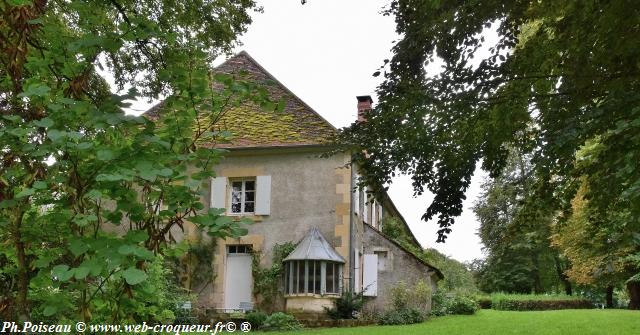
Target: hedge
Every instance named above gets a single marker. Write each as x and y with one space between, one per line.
539 305
484 302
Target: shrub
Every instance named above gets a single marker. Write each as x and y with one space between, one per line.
401 317
438 304
280 321
484 302
531 302
256 319
407 304
453 303
461 304
346 306
404 296
391 317
422 294
400 296
412 315
545 297
540 305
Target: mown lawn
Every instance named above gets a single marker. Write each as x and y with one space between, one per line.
491 322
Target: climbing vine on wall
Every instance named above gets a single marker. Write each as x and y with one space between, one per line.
266 280
192 263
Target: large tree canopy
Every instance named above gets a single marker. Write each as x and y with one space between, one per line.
74 167
563 75
516 235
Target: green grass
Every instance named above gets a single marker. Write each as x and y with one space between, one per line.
490 322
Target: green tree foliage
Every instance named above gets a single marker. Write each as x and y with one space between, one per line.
561 73
457 276
77 173
599 256
516 234
562 77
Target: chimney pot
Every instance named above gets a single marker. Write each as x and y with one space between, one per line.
364 105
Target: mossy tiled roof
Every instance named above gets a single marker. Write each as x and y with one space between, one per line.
251 126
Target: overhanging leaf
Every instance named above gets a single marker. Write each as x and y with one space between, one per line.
134 276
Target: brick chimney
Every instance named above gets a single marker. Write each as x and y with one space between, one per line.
364 105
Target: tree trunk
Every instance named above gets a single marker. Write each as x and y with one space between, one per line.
23 277
537 282
567 286
609 296
634 294
563 277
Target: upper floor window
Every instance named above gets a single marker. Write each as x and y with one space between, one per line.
243 196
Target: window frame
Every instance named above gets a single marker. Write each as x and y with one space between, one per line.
239 249
383 259
243 200
302 277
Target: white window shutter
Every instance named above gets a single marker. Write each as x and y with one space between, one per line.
365 207
370 275
356 195
263 195
218 192
357 269
356 205
374 222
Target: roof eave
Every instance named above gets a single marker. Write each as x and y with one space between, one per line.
437 271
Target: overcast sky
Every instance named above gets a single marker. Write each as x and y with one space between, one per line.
326 52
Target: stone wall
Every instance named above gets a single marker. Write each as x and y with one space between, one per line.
400 266
306 191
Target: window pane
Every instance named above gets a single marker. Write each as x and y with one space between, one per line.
235 208
329 277
236 186
318 278
249 207
294 284
250 185
337 275
301 277
232 249
310 277
294 269
286 278
236 196
250 196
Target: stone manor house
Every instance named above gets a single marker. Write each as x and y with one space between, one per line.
273 174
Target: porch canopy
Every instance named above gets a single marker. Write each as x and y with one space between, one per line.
314 247
313 267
